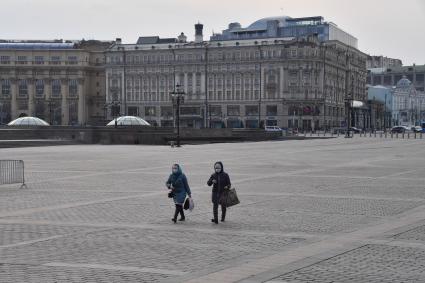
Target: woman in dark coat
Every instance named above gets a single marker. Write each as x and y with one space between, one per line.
220 181
177 184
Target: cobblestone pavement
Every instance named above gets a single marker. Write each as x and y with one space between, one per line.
335 210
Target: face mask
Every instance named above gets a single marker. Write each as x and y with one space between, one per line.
175 170
217 170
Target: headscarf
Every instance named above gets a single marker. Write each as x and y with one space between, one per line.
221 164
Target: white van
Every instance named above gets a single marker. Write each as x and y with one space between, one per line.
273 129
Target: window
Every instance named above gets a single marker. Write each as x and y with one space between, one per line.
190 111
233 110
23 87
166 111
215 110
73 88
150 111
38 60
39 87
5 60
271 110
5 87
251 110
22 60
72 60
133 111
56 88
55 60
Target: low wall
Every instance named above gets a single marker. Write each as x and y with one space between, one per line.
135 135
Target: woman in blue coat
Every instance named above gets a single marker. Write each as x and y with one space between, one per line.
178 186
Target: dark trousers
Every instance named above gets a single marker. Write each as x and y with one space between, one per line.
179 209
215 211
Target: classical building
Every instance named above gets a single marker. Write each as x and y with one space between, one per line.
382 62
408 107
260 75
60 82
389 76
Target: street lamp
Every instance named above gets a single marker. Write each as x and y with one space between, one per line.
177 97
50 104
348 102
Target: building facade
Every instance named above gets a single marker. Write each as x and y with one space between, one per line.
60 82
382 62
408 104
295 82
391 75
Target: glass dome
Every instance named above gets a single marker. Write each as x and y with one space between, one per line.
129 121
28 122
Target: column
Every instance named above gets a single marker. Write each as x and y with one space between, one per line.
185 82
13 102
203 83
65 104
31 94
47 95
281 80
81 102
194 84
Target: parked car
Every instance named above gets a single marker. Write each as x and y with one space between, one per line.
273 129
355 130
417 129
399 129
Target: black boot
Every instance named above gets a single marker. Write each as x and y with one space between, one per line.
215 213
182 218
176 213
223 213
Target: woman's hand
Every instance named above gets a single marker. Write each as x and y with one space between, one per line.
214 181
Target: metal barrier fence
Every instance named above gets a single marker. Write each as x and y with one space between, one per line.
12 172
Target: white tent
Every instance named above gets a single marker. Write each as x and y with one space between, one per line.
28 122
128 121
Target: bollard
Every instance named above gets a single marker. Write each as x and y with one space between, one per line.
337 133
380 135
415 135
370 134
311 133
403 135
408 135
396 135
391 134
375 133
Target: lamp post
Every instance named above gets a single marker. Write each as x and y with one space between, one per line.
50 104
178 97
1 113
348 102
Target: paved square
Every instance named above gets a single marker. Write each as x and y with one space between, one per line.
335 210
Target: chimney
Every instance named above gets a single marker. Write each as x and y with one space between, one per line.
199 37
118 41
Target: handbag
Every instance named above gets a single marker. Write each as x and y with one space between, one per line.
171 194
229 198
186 204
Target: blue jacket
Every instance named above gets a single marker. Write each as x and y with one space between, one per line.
180 186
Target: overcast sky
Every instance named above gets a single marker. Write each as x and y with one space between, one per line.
391 28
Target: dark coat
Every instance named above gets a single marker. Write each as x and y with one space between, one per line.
180 186
222 181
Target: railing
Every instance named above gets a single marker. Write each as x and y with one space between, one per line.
12 172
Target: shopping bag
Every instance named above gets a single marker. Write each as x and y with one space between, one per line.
229 198
191 204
